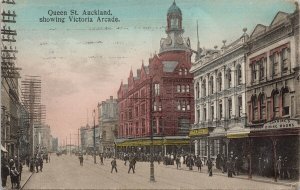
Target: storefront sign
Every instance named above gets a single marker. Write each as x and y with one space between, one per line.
280 124
198 132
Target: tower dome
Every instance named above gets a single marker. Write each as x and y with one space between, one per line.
174 9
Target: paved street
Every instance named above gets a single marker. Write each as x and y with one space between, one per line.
64 172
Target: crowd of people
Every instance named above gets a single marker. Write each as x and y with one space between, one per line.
13 167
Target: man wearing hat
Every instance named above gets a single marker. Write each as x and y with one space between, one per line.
114 165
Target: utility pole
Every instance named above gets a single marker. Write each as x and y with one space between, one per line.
70 144
94 113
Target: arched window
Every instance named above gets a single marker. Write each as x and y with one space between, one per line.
178 105
203 88
228 76
286 101
239 74
276 104
254 108
275 63
180 71
212 111
211 85
219 82
204 113
185 71
229 108
262 106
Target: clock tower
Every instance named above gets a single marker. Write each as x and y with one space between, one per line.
174 40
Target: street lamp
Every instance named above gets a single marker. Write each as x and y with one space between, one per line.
94 114
152 179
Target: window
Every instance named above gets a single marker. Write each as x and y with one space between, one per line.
240 104
136 111
187 88
143 109
220 109
183 88
275 63
254 108
185 72
159 106
198 116
276 104
155 106
156 89
174 23
197 90
261 69
212 111
253 72
178 105
178 88
183 105
203 88
180 72
219 82
285 102
229 78
211 85
229 108
204 113
188 108
262 106
285 60
239 75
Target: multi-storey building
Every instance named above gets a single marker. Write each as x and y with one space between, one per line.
108 124
273 101
219 86
161 94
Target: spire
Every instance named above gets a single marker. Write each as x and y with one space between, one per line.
198 43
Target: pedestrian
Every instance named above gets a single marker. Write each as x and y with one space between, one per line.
101 159
11 163
279 167
114 165
209 166
4 172
32 165
181 161
81 159
177 161
20 170
37 164
14 176
131 165
41 163
198 163
230 167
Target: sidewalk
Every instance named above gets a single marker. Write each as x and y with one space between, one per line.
289 183
26 174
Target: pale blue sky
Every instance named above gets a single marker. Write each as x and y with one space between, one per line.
82 64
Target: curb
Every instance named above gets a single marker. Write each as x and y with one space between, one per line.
26 180
238 177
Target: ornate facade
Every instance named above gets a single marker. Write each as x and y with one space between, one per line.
161 94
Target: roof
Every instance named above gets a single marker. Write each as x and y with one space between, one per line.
174 9
169 66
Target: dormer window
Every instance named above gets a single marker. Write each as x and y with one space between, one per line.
180 72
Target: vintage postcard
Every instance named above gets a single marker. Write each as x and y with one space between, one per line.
150 94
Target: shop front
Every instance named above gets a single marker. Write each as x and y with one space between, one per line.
200 140
276 142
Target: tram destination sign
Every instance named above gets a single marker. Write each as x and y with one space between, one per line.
280 124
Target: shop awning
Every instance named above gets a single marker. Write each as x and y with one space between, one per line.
147 142
237 131
3 149
218 132
198 132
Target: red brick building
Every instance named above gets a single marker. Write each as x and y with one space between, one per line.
161 92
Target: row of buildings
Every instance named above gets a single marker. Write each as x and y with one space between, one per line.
23 130
238 100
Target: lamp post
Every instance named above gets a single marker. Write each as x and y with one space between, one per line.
94 138
152 179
